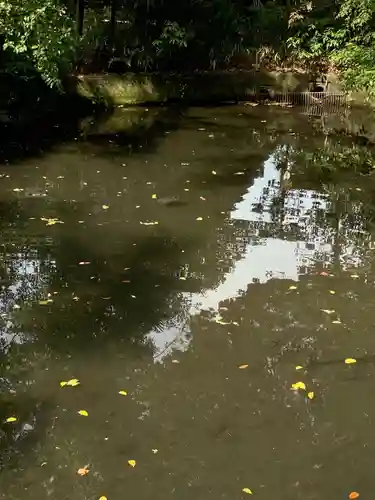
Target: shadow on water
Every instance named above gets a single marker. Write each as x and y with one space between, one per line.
266 257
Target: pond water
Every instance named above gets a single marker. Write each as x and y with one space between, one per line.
201 262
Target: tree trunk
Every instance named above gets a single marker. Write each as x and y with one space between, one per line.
80 12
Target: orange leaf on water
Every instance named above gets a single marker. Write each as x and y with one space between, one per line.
353 495
83 471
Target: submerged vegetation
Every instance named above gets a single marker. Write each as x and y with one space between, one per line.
55 38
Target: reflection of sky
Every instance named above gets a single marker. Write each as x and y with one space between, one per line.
269 258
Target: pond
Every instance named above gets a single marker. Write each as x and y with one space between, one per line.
187 309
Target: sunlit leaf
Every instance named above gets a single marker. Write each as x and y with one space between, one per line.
84 413
242 367
299 367
292 287
154 196
63 383
332 292
132 463
105 207
328 311
336 322
353 495
152 223
73 382
299 385
123 393
213 172
10 420
350 361
247 490
154 451
199 218
83 471
311 395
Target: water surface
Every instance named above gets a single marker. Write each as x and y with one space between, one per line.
194 259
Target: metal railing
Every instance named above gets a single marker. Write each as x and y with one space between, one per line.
314 103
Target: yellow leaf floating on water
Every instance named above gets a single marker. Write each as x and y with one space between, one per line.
328 311
51 222
242 367
10 420
247 490
336 322
132 463
311 395
71 383
123 393
84 413
213 172
299 385
350 361
332 292
83 471
105 207
199 218
154 196
299 367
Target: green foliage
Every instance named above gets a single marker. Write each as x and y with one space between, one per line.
41 35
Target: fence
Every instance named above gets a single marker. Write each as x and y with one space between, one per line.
313 103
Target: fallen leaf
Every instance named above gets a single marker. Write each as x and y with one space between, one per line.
353 495
154 223
242 367
299 385
123 393
202 198
332 292
105 207
154 451
350 361
84 413
310 395
328 311
72 383
83 471
199 218
336 322
154 196
299 367
51 222
293 287
213 172
247 490
132 463
10 420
